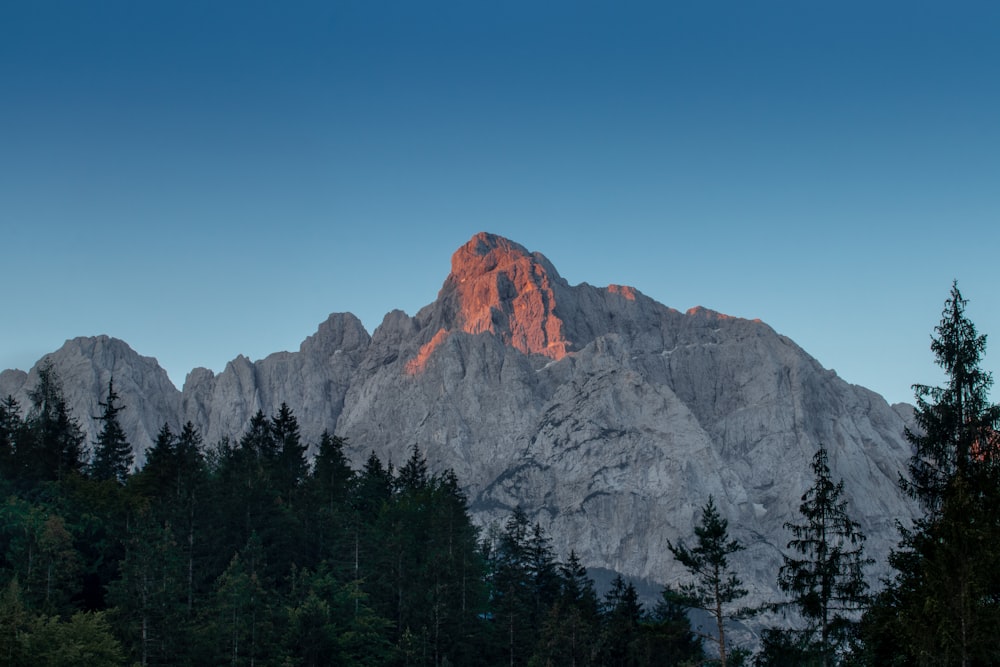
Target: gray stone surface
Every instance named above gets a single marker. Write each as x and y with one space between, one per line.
608 417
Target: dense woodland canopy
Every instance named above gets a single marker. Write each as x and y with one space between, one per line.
262 549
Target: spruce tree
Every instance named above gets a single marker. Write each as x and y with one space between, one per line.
956 434
826 579
291 465
571 629
620 644
941 608
11 430
53 443
716 586
112 451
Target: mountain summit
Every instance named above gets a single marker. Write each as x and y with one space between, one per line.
496 286
606 416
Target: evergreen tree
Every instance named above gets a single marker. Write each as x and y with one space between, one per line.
53 444
668 639
452 574
621 640
11 431
112 451
241 614
291 467
942 606
154 478
716 586
826 580
570 629
542 568
329 519
148 597
512 589
956 423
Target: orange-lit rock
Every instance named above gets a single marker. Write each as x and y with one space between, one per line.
623 290
496 286
418 363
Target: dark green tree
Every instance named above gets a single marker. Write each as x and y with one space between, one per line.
957 424
290 466
668 639
825 577
512 601
571 628
150 610
241 614
112 452
716 587
85 639
780 647
154 478
11 432
53 443
943 605
621 638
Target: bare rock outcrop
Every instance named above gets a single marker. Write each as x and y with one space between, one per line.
608 417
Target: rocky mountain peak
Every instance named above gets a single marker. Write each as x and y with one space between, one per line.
496 286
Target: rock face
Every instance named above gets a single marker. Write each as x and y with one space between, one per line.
607 416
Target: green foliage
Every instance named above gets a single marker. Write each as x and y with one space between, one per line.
52 445
668 639
826 581
12 434
716 586
941 606
621 638
32 639
957 423
112 451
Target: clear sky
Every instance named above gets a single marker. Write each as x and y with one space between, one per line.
208 179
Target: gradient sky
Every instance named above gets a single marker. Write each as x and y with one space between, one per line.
208 179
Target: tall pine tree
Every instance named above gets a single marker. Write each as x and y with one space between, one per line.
943 606
112 451
826 577
52 448
716 586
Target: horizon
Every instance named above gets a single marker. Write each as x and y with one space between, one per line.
204 182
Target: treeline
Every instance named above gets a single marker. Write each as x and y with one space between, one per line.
250 552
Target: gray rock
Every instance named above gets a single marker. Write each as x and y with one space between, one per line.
608 417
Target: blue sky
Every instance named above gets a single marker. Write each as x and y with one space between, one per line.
209 179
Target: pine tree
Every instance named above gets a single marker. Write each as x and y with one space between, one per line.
668 639
112 451
571 628
826 582
329 518
956 435
11 432
512 588
53 443
621 632
148 596
716 586
291 467
941 608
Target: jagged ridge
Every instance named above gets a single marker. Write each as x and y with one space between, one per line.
607 416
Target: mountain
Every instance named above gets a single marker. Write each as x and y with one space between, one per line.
610 418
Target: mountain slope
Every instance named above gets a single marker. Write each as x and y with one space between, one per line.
610 418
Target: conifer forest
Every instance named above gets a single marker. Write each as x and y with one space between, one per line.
262 549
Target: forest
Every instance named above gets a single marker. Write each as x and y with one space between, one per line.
262 549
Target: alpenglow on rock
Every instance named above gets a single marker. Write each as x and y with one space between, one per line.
608 417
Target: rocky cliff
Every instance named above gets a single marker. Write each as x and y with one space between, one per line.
608 417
